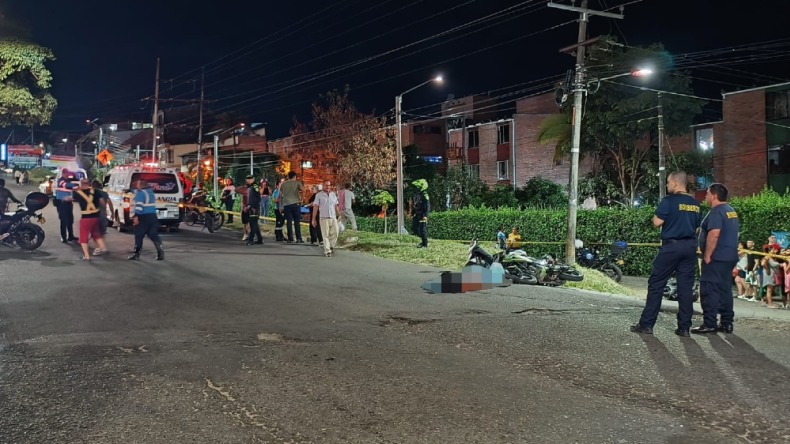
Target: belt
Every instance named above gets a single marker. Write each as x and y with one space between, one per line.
677 239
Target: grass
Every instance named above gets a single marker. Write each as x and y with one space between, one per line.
451 255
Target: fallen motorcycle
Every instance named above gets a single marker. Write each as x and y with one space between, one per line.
609 263
17 230
671 289
524 269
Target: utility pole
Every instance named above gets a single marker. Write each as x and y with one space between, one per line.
399 165
579 90
662 171
156 112
200 125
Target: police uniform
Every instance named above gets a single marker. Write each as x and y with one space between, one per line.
147 222
716 276
253 207
421 208
677 254
65 208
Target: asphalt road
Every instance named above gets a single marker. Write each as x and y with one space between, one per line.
222 343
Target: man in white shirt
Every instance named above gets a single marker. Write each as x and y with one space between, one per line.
328 208
346 200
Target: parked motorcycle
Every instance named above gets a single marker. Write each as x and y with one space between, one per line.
17 230
524 269
609 263
671 289
193 214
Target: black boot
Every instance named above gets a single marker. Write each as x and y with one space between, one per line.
160 253
135 255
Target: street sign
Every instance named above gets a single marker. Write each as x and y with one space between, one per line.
104 157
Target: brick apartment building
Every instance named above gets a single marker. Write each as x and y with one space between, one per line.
506 151
752 141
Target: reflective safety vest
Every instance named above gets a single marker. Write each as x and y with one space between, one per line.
144 201
90 207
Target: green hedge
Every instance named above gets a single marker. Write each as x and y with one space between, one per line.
759 215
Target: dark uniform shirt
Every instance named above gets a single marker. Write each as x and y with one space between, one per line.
681 215
253 198
5 196
722 217
422 204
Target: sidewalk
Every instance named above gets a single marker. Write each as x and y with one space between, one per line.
743 309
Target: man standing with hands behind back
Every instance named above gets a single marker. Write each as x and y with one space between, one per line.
678 215
718 241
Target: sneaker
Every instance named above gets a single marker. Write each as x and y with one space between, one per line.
751 299
244 238
98 252
740 296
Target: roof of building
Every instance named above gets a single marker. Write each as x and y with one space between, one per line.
777 85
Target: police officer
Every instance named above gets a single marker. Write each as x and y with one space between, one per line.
145 220
678 215
718 241
63 192
420 209
252 208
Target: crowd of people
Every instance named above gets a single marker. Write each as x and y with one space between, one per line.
762 277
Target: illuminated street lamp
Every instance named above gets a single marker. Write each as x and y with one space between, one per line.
399 142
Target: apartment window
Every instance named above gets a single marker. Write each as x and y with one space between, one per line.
503 170
473 171
474 139
777 105
704 139
503 134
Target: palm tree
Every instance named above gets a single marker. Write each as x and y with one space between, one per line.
557 129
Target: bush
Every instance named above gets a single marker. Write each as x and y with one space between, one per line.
759 215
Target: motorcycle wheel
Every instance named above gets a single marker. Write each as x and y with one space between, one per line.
218 220
613 272
208 221
571 275
191 217
29 236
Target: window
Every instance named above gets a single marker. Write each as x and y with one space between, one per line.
704 139
161 182
474 139
777 105
473 171
503 134
502 170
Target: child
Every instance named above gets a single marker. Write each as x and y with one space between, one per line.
500 238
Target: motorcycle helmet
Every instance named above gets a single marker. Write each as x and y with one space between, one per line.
420 184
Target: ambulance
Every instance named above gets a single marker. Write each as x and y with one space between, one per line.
165 183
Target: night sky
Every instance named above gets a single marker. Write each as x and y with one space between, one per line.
269 60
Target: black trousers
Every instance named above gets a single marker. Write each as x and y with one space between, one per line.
315 232
678 257
148 225
229 207
420 229
715 289
66 216
255 229
279 221
293 218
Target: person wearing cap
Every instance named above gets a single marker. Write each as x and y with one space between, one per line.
252 208
145 221
63 203
421 206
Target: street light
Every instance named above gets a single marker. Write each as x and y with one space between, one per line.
216 135
580 89
399 142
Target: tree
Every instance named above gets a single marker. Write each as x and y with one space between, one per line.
362 145
557 129
618 127
540 192
459 187
25 83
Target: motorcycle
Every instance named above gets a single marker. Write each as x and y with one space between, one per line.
16 229
671 289
193 214
609 264
523 269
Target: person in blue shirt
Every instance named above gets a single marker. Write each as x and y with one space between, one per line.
678 215
718 241
64 205
500 238
145 220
